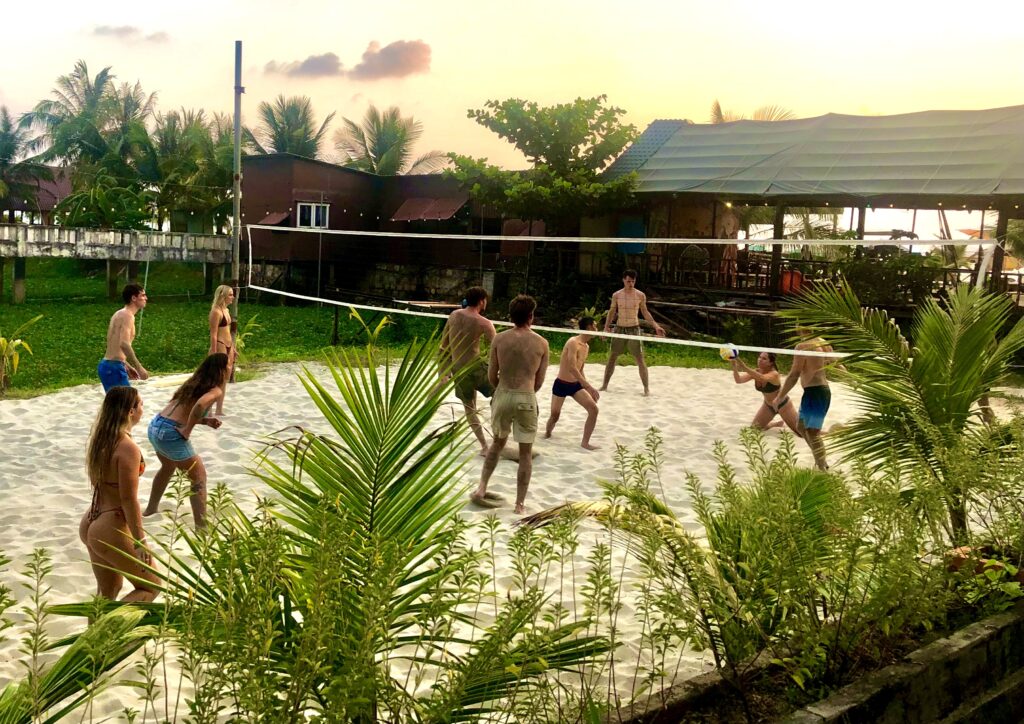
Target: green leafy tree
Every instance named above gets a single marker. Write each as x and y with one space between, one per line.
11 347
922 403
19 175
569 144
104 201
383 144
288 125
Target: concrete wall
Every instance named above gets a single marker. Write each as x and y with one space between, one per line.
21 240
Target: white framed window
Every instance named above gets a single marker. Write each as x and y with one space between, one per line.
312 216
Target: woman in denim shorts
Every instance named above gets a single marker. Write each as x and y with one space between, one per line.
170 433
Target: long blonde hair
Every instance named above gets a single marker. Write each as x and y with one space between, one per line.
220 296
112 423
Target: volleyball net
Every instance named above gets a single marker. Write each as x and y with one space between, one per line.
704 292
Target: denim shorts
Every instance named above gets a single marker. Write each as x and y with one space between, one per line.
166 439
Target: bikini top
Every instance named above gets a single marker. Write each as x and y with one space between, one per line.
766 387
223 321
142 469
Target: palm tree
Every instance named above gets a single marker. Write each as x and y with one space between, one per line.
19 176
923 403
70 122
288 126
764 113
383 144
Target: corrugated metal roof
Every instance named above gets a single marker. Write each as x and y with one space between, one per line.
420 209
274 218
930 154
641 150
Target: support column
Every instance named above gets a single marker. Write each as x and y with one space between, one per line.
3 277
1002 223
778 232
114 269
207 279
133 271
862 213
19 280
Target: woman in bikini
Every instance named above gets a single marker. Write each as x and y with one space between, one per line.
112 527
767 381
221 330
169 433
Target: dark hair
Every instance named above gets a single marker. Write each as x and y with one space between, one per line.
210 373
475 295
112 422
584 322
521 308
631 273
771 358
131 291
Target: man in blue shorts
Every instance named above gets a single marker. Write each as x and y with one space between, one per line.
817 395
120 365
571 382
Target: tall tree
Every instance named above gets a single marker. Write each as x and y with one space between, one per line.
568 144
764 113
288 125
19 175
383 144
69 123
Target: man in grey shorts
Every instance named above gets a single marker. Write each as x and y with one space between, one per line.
518 362
628 304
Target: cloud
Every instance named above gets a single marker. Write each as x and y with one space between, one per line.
315 66
128 32
395 60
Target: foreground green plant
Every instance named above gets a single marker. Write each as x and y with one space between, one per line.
922 405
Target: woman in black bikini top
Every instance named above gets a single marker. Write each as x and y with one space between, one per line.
767 381
221 329
112 526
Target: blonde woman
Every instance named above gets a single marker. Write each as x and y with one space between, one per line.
112 527
221 330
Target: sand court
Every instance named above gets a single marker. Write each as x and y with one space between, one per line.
45 490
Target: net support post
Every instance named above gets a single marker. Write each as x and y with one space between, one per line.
1002 225
778 232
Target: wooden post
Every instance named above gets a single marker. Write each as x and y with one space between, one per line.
778 232
133 271
207 279
861 218
1002 223
3 277
334 329
19 280
114 268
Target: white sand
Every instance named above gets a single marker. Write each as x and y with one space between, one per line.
45 491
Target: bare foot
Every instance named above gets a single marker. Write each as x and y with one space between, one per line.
547 434
520 509
147 512
589 446
483 501
602 389
647 392
483 453
493 496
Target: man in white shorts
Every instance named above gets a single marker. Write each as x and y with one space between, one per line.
518 362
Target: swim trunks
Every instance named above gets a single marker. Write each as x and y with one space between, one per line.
472 381
561 388
813 406
514 411
113 373
635 346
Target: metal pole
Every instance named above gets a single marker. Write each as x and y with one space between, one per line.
236 190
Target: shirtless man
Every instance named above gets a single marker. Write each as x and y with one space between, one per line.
519 359
120 365
627 305
571 382
460 349
817 395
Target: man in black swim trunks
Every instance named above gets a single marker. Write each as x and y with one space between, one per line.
571 382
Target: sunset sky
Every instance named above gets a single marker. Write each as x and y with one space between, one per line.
435 60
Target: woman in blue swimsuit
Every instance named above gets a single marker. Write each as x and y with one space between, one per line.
767 381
